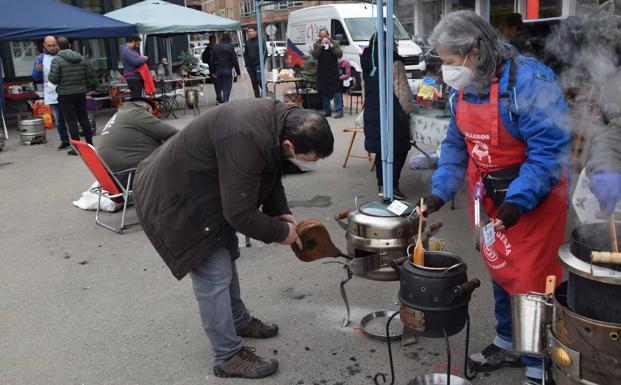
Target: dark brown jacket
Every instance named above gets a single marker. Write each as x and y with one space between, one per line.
220 174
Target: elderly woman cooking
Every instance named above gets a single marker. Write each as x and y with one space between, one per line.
508 137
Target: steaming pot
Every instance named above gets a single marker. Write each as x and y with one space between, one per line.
584 351
588 283
376 236
435 296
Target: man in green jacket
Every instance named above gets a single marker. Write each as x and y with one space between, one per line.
69 72
131 135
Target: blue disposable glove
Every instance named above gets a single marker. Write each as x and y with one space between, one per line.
606 186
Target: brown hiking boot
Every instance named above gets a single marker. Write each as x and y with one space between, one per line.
257 329
246 364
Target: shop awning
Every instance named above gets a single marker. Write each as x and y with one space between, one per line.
35 19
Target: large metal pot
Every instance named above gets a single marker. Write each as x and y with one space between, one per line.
376 236
191 97
31 131
434 298
92 123
588 283
583 350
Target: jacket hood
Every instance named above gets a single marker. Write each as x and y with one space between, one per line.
71 56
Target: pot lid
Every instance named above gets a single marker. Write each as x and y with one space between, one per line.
387 210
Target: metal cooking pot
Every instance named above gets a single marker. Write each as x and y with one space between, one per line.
376 236
530 315
589 282
438 379
583 350
435 296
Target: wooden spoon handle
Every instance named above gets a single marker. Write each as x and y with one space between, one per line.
613 234
550 284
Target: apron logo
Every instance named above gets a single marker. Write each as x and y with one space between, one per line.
481 151
493 258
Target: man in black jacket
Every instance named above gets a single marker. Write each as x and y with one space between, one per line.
207 58
251 58
224 61
219 175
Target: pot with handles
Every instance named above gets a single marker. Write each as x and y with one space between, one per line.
435 296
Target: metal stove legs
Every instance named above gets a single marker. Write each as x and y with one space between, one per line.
408 337
350 274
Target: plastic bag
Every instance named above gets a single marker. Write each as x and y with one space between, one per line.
420 161
88 201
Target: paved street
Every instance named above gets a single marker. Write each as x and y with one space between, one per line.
82 305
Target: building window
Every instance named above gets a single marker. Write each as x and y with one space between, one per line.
247 8
23 54
499 9
457 5
550 8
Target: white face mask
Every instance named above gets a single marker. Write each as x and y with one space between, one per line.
457 77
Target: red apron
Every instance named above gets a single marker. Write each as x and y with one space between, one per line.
522 256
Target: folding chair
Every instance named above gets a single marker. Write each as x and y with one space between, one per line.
109 185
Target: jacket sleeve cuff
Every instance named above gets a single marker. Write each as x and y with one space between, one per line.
283 233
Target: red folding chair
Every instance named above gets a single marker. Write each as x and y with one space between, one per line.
109 185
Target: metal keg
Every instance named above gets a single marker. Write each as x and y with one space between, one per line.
31 131
92 123
191 97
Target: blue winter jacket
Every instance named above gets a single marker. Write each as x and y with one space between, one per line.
534 112
131 59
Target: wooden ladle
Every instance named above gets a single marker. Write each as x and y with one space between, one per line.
419 251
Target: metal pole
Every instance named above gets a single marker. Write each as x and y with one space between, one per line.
259 4
169 53
381 73
388 176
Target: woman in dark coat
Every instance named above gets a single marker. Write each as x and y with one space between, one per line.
327 53
403 105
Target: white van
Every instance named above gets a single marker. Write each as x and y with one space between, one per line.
355 22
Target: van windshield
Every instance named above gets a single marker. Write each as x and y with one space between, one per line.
361 28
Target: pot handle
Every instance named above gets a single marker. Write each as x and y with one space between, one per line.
396 264
339 218
465 289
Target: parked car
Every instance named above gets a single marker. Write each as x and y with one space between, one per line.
278 47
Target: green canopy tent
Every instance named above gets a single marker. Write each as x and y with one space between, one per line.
157 17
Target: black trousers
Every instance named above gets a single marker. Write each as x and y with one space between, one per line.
74 110
253 72
136 86
397 165
217 86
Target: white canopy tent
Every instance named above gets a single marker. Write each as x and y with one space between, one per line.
157 17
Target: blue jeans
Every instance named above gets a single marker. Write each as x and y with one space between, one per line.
216 288
338 102
504 334
59 120
225 79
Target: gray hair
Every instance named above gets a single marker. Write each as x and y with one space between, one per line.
461 31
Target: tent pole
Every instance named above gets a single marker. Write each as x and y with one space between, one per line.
169 53
6 132
259 4
381 73
388 176
243 49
